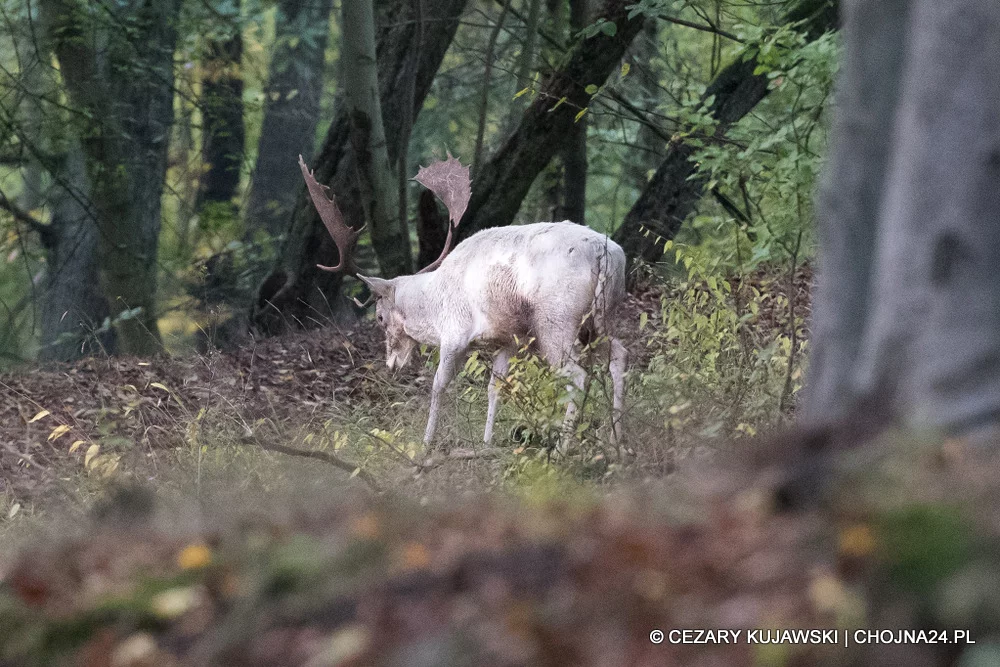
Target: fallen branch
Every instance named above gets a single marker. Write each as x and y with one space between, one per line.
325 457
461 455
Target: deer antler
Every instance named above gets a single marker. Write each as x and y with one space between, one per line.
450 181
344 237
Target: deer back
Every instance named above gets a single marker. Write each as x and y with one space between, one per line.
520 281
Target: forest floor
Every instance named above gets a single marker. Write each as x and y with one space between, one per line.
155 517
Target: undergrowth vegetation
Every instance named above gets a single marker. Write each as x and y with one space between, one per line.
712 358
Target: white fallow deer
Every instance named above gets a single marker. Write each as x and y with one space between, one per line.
551 282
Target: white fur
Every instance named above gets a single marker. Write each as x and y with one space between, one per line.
500 287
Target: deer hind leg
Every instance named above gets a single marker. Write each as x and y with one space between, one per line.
501 362
450 359
616 367
562 355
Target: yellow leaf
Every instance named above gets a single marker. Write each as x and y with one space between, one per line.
58 432
14 509
415 556
366 526
625 69
580 114
92 451
858 540
76 445
159 385
194 556
41 413
522 92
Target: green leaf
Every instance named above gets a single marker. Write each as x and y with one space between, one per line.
610 29
591 89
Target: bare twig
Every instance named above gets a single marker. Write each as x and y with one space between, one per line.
461 455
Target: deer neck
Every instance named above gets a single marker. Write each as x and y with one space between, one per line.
421 298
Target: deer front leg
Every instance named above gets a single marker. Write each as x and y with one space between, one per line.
501 363
450 357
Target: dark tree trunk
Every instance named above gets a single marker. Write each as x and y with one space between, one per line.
291 111
223 131
296 293
117 65
650 142
432 229
72 309
547 124
574 155
671 194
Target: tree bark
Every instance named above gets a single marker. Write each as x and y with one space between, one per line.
380 199
71 306
672 194
484 95
907 317
296 293
33 79
574 155
223 131
650 142
547 124
525 64
291 112
432 229
72 310
123 80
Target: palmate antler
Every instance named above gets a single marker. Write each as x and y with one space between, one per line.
344 237
448 179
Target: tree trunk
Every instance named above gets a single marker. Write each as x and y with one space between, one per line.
296 293
123 80
432 229
907 319
71 306
574 155
484 95
223 132
380 199
291 111
547 124
650 144
525 64
72 310
32 80
672 194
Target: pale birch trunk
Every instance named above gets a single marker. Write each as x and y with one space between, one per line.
907 317
378 190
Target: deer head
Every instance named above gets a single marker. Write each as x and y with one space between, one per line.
449 180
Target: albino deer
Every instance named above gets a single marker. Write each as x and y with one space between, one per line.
553 282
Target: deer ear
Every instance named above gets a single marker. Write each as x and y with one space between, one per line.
381 288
